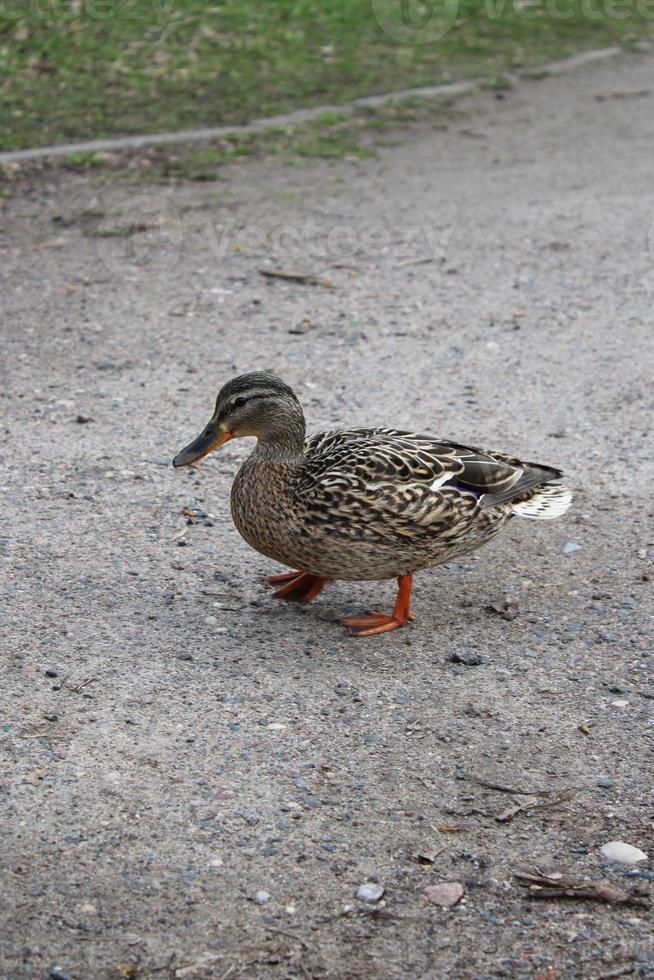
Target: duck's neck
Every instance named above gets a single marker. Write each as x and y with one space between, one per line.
282 444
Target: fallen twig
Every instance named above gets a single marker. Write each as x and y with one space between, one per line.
76 690
623 95
501 788
424 261
537 804
306 280
620 971
291 935
556 885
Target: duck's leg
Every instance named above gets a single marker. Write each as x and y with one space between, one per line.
298 586
372 623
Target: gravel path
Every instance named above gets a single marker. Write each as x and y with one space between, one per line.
198 779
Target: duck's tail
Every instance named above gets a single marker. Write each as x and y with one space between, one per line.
545 503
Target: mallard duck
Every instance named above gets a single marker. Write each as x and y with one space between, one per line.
362 504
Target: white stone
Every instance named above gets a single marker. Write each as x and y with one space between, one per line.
617 850
370 891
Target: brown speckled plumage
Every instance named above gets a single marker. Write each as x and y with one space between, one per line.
360 504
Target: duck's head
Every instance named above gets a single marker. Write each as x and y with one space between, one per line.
256 404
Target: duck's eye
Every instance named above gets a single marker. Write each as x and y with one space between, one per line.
238 402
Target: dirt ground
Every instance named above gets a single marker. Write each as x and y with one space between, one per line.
198 779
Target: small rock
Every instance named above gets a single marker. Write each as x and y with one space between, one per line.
202 966
605 783
617 850
425 857
310 801
506 607
447 894
503 675
370 891
58 974
83 419
51 672
468 658
570 547
261 897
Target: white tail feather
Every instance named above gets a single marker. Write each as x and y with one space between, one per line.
545 504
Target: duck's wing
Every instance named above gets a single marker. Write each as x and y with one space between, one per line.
409 479
394 456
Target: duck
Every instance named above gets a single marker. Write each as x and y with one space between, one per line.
362 504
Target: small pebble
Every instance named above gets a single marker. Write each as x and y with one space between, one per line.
426 857
605 783
261 897
617 850
51 672
570 547
370 891
447 894
468 658
57 974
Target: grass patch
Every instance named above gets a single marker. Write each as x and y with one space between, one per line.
498 83
331 136
82 69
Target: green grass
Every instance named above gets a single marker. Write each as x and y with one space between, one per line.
355 135
82 69
331 136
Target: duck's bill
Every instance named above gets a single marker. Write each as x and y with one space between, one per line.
200 447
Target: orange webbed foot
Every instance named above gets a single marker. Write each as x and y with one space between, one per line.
297 586
372 623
